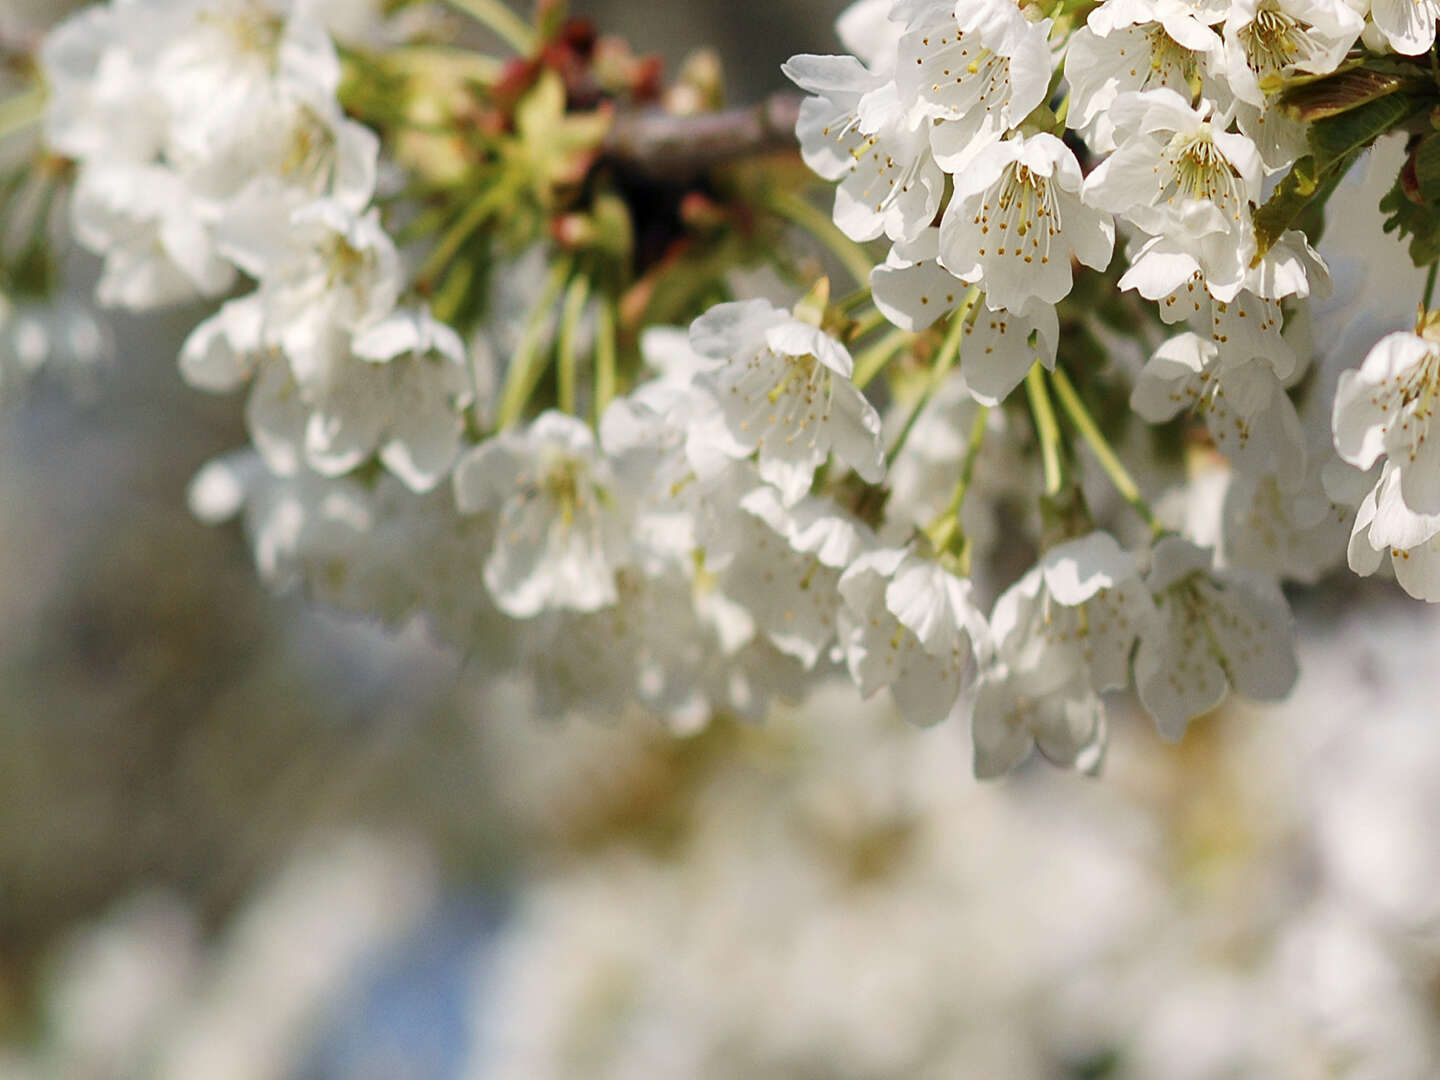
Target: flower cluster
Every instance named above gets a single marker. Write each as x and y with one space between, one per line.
791 485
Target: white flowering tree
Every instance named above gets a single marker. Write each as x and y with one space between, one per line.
561 358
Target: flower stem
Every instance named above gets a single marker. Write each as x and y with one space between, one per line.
867 324
574 310
875 359
525 365
1120 477
450 244
854 300
944 361
605 356
20 111
946 529
1047 431
498 17
803 215
449 61
1429 285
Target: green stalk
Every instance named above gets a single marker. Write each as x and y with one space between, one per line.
505 24
476 214
867 325
849 303
570 316
944 361
605 356
804 216
525 365
874 360
946 528
20 111
1120 477
1047 431
1430 285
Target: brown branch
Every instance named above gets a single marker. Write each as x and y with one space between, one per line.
669 148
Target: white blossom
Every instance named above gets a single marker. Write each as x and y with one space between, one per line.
1062 633
1132 46
854 129
561 529
909 624
785 394
975 71
1384 409
403 396
1000 347
911 288
1212 630
1270 40
1243 402
1189 184
1407 25
782 565
1386 526
324 274
1016 219
150 230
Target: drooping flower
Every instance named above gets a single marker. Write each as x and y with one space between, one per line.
785 394
853 130
561 528
909 624
975 71
1386 526
1243 402
1188 183
1127 47
1016 219
1212 630
1385 408
1062 633
781 564
402 397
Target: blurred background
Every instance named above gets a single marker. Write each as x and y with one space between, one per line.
243 839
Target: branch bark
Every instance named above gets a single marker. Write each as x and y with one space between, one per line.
669 148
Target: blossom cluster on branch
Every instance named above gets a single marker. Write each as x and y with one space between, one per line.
607 425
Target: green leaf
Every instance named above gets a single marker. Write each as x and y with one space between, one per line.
1336 136
1427 168
1420 224
1340 93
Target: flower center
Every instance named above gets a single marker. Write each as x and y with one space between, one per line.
1275 40
1408 399
309 154
1171 64
251 29
1025 212
1199 170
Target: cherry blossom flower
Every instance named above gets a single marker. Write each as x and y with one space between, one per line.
1385 407
1189 184
909 624
785 394
975 71
561 529
1213 630
1245 407
1016 219
1133 46
854 129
